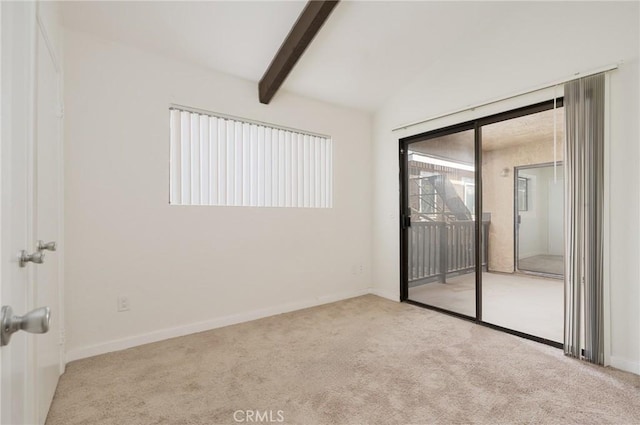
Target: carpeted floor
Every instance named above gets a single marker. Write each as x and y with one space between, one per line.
366 360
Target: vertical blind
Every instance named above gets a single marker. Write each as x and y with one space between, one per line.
226 161
584 179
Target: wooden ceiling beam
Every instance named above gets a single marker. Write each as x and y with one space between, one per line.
309 22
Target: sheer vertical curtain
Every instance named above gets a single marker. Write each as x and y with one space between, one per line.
230 162
584 177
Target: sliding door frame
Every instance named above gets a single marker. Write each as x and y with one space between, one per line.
405 213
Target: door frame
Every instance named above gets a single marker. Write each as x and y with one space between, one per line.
50 45
405 213
405 216
47 45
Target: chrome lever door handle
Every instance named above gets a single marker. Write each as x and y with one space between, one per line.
35 322
49 246
37 257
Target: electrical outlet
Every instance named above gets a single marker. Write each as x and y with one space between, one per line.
123 303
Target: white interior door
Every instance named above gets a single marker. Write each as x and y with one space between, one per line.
31 192
17 374
48 215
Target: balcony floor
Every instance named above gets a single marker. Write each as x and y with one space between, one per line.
529 304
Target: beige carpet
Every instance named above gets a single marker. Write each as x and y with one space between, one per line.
361 361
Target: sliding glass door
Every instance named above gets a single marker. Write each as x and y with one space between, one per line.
440 221
522 192
482 221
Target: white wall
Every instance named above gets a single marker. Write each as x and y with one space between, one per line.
532 44
187 269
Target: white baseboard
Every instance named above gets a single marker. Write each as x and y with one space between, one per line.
155 336
384 293
625 364
160 335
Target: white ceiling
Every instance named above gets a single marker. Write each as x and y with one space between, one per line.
364 53
238 38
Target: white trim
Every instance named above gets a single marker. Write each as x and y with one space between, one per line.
31 402
47 40
3 58
481 112
511 96
625 364
59 256
163 334
606 219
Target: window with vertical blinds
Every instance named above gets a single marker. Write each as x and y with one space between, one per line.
224 161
